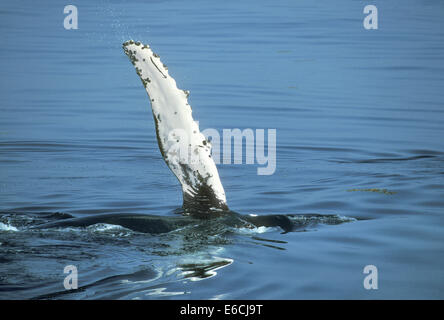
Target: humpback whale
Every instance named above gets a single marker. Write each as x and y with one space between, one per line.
187 153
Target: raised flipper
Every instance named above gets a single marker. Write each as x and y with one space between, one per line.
183 147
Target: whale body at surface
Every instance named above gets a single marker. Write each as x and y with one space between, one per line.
188 155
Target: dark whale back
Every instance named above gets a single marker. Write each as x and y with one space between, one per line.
163 224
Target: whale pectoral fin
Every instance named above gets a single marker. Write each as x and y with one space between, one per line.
183 147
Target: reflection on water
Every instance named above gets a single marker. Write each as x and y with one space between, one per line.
189 252
358 116
202 270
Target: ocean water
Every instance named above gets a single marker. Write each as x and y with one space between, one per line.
359 120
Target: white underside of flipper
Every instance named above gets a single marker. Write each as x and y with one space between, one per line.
183 147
